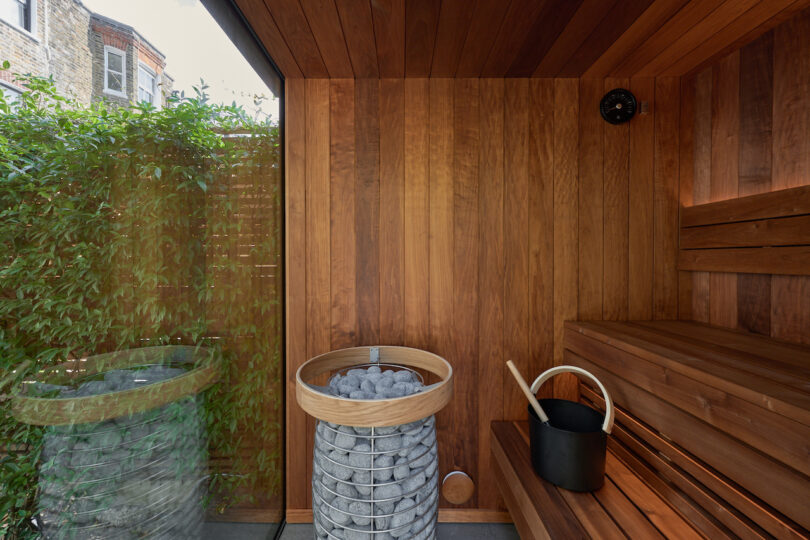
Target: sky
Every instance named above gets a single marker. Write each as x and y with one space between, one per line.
195 47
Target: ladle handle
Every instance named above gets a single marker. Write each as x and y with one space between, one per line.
529 394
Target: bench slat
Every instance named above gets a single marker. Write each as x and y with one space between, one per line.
778 436
631 520
514 460
790 231
775 483
782 203
691 476
787 401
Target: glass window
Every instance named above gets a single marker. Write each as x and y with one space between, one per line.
114 73
147 85
12 95
17 12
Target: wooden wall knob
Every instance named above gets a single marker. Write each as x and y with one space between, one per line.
457 487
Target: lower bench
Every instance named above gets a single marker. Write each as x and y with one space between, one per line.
712 438
624 507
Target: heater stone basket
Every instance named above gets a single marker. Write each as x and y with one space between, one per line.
124 449
375 462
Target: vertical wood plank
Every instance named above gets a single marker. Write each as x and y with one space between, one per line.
318 256
566 150
702 179
541 228
725 174
367 209
292 23
342 193
516 230
755 161
451 33
441 243
665 209
490 278
392 199
591 195
389 32
640 219
464 411
323 20
686 185
296 300
417 222
616 214
790 300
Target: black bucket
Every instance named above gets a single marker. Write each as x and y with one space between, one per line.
569 450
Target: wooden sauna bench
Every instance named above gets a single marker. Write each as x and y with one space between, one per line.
712 438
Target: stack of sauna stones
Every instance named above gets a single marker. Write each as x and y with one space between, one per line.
388 492
136 476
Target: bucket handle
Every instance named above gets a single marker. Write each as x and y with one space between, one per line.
607 426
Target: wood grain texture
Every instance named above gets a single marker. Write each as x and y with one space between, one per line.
416 220
318 232
641 188
782 231
566 189
756 116
777 260
342 228
421 23
466 141
547 26
591 195
451 34
292 24
486 21
324 23
358 31
781 203
267 31
541 228
296 296
389 33
392 201
367 209
490 277
517 23
516 243
686 173
665 217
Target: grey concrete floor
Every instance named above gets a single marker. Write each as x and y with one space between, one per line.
446 531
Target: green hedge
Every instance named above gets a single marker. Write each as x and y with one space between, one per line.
127 227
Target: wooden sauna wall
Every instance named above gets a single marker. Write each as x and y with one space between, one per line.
471 217
746 129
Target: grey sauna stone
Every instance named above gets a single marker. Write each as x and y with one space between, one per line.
358 458
337 512
419 456
93 388
368 386
402 470
346 490
362 477
384 508
327 432
374 370
338 533
381 523
431 467
359 394
383 466
385 430
403 376
386 492
404 514
351 534
391 443
345 438
360 511
383 385
413 482
388 373
362 430
338 470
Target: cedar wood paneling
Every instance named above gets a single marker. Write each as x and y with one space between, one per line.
471 217
750 123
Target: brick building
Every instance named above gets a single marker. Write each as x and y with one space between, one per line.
90 57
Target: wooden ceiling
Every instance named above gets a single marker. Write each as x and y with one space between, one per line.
505 38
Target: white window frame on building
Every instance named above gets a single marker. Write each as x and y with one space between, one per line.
107 90
153 89
11 92
26 20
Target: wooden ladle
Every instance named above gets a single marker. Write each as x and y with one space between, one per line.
525 387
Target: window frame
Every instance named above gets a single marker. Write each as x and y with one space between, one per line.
156 101
107 90
7 85
32 20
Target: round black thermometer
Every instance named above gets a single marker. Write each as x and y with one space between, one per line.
618 106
